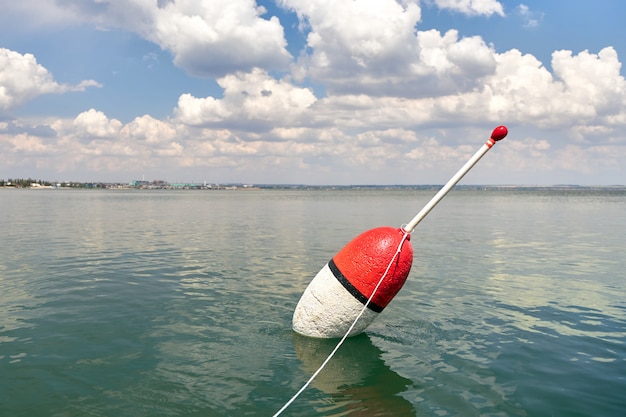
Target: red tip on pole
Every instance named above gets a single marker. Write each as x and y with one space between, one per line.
499 133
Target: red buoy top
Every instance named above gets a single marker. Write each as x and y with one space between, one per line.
499 133
364 260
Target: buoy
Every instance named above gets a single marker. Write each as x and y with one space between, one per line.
365 275
343 286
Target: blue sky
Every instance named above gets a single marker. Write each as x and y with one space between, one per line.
314 92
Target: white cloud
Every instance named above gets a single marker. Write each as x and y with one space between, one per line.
148 129
98 146
22 79
592 81
356 39
585 89
372 47
521 91
251 100
531 18
26 144
95 124
472 7
217 37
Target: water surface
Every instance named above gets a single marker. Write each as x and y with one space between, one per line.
175 303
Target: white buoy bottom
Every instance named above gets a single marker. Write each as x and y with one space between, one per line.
327 309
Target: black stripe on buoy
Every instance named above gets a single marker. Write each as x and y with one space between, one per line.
351 288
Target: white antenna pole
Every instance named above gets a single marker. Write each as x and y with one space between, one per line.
498 134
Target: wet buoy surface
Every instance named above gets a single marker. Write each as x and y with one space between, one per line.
336 295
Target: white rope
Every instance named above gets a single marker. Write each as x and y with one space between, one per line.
297 394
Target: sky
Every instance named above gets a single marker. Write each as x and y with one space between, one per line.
313 92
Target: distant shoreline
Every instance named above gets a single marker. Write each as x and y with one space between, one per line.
247 187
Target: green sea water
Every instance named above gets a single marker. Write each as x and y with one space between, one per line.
179 303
